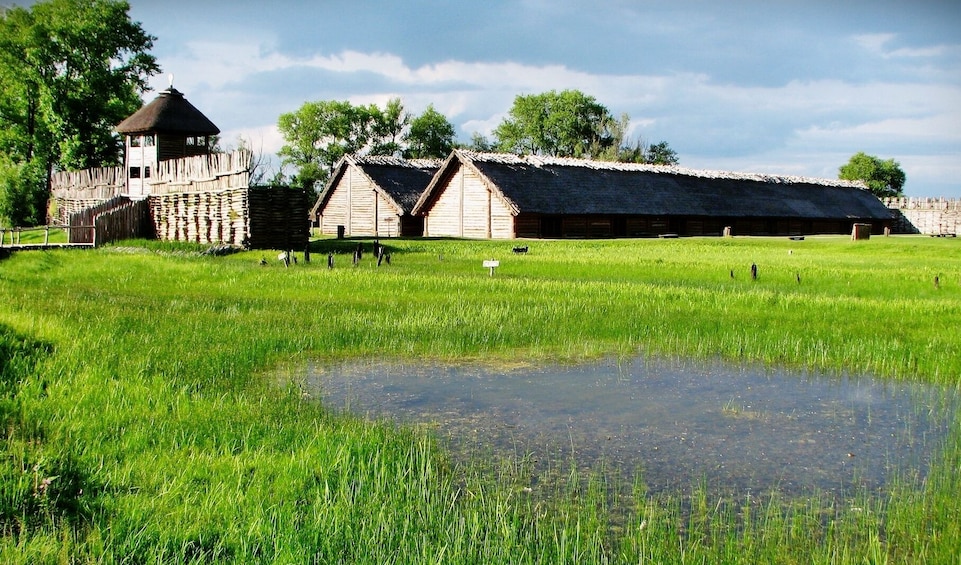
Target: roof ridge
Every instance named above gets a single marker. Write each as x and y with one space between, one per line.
541 161
391 160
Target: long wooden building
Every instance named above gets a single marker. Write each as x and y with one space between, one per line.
504 196
373 196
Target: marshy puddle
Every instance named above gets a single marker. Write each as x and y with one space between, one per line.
677 423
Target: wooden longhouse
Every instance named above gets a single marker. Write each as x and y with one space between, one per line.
373 196
503 196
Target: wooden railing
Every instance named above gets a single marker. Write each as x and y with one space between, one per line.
15 238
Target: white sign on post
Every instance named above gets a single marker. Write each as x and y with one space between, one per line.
492 265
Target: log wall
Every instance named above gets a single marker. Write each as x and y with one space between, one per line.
201 217
254 218
928 216
278 218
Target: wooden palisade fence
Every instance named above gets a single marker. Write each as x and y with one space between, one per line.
202 199
278 218
116 219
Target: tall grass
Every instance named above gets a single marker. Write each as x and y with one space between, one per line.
142 423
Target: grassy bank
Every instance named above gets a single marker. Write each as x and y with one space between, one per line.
139 425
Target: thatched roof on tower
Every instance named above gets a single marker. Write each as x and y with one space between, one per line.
169 113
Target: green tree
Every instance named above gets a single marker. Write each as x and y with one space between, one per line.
23 193
319 134
480 143
388 127
884 177
70 70
661 154
431 135
565 124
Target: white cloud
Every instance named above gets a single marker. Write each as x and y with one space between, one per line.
874 42
877 44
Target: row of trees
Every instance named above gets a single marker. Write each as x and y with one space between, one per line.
70 71
319 133
560 124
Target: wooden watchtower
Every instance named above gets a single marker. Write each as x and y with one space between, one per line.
170 127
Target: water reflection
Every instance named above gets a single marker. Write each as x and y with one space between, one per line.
677 422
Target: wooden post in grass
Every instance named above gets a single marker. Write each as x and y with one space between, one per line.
860 231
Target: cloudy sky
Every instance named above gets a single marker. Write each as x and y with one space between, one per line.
785 87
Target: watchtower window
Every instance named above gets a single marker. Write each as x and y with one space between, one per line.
149 140
134 173
134 141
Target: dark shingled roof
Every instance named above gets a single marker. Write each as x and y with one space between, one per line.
168 113
554 186
401 181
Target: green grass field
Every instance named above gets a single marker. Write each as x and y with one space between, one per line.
144 422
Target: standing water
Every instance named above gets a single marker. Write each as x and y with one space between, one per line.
677 423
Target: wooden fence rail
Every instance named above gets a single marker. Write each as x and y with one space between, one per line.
16 240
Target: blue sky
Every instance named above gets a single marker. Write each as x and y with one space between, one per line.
770 86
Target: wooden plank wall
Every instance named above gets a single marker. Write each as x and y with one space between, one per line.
362 204
466 207
502 221
355 204
444 217
388 220
929 216
583 226
336 211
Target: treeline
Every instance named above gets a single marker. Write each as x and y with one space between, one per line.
558 124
